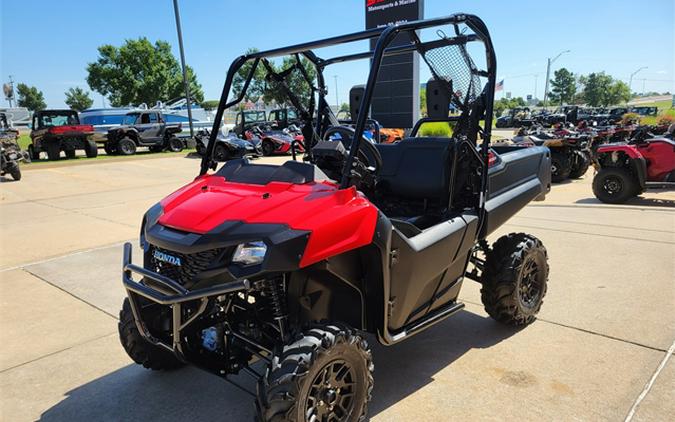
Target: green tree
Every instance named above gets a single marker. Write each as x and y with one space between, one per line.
296 82
140 72
78 99
210 104
508 103
344 107
256 88
595 89
563 86
263 86
30 97
618 93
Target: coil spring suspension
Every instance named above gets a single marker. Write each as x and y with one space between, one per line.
274 291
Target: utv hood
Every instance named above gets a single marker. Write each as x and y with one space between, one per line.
337 220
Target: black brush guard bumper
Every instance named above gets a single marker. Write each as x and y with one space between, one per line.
170 293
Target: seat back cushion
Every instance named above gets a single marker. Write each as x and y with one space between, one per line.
416 168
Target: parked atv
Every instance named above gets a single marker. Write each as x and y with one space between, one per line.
143 129
9 160
54 131
228 147
570 151
290 265
625 170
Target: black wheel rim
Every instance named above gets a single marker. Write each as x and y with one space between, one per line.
529 288
554 168
331 396
612 185
268 148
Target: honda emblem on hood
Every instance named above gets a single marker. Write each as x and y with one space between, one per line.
164 257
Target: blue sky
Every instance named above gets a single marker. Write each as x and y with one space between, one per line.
49 43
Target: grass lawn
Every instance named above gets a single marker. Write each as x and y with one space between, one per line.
24 141
664 117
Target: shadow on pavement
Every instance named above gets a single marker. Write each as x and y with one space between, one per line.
132 393
638 201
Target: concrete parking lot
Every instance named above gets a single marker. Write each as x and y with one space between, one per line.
598 351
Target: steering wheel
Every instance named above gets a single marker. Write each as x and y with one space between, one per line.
367 153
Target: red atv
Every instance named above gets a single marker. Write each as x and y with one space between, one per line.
625 170
291 265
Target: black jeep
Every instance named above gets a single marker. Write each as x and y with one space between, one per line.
144 129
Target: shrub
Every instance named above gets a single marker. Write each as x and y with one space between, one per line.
436 129
667 118
630 118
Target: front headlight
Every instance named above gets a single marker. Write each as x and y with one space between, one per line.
13 156
250 253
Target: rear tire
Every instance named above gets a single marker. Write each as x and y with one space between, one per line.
91 149
53 151
126 146
560 167
110 148
615 185
201 149
515 279
175 144
138 349
33 153
581 163
327 369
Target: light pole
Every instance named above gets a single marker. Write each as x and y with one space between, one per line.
548 74
630 81
337 103
182 62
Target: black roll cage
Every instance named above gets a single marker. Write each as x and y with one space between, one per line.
384 36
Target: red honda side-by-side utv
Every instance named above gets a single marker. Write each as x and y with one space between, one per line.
282 272
625 170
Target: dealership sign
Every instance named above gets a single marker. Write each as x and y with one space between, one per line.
396 98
